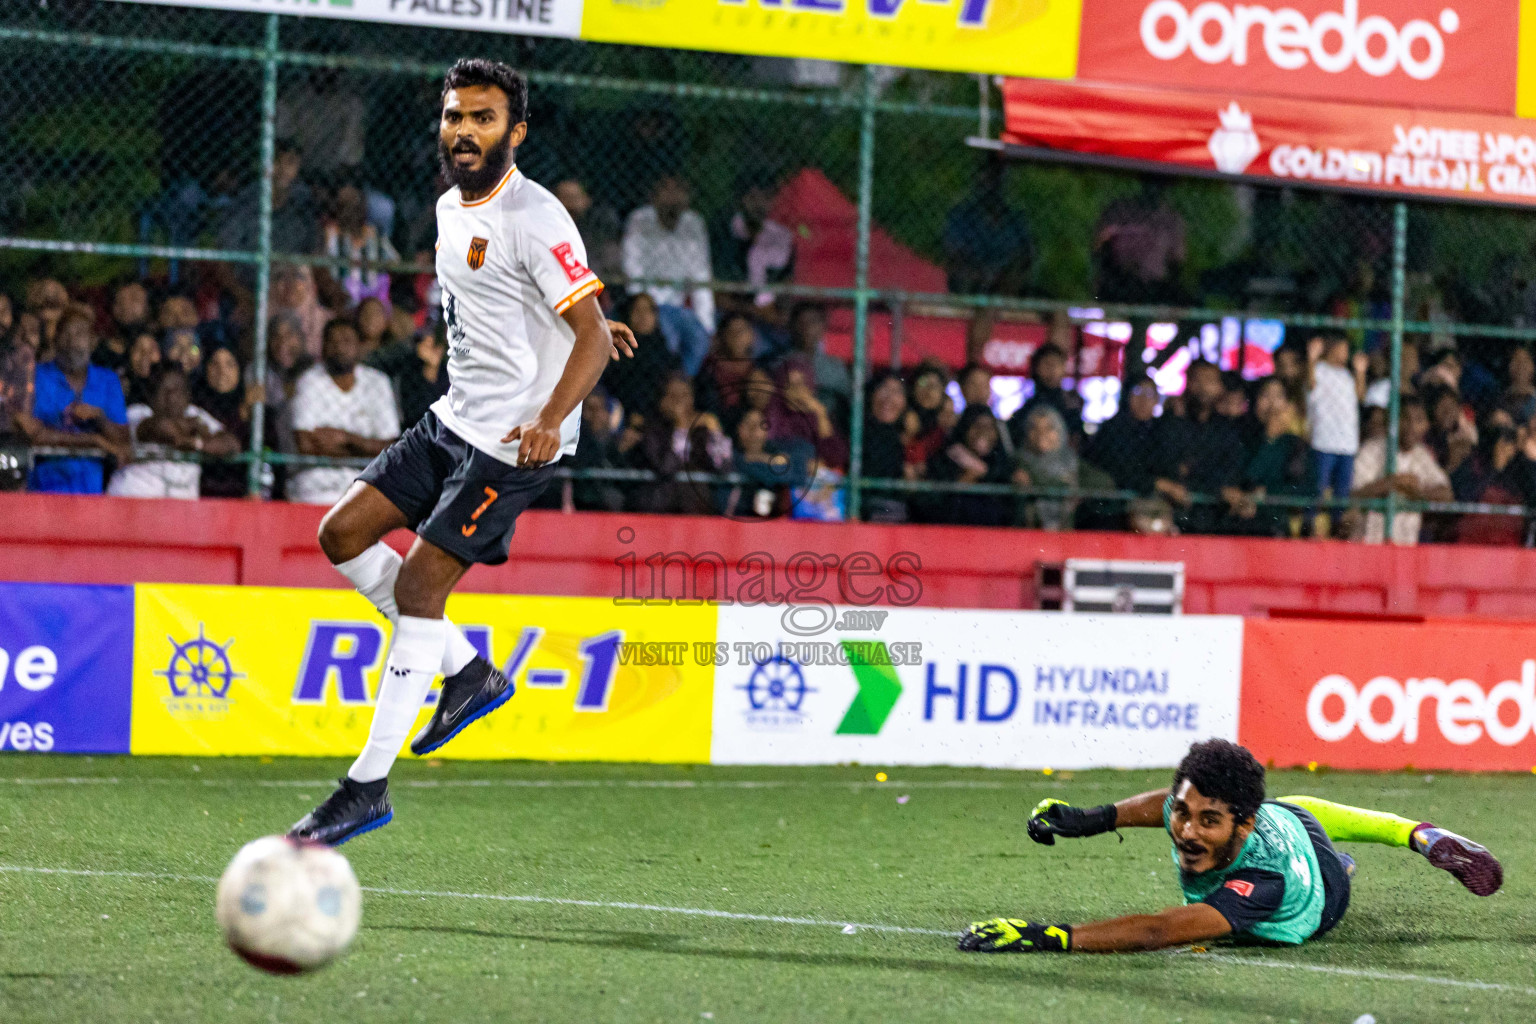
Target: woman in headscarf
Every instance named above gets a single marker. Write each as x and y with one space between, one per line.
218 392
293 291
973 454
725 368
1045 459
887 424
637 382
797 414
935 413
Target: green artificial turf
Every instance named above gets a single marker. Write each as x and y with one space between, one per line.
828 844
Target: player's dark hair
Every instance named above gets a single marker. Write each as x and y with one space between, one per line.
1222 770
471 71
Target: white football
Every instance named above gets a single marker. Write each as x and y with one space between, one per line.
288 906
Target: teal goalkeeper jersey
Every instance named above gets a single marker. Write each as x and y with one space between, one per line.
1278 865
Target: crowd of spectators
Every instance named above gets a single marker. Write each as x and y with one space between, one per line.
733 405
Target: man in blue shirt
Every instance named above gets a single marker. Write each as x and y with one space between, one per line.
75 405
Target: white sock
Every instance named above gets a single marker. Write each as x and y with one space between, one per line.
373 573
408 675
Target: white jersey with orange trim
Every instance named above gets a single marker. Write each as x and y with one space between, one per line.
508 266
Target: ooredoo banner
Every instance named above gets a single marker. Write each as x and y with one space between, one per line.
992 688
1438 695
65 652
1449 54
1411 151
262 670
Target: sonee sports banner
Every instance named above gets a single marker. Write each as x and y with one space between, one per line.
1411 152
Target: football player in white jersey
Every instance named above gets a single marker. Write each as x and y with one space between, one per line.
527 341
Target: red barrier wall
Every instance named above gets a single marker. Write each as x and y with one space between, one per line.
122 540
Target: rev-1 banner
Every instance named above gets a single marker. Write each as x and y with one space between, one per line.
1473 157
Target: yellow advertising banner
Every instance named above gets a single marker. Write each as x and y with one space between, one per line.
1031 38
263 670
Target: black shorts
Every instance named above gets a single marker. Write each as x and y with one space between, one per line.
1335 878
453 494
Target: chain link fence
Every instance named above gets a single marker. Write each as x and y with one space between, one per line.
872 319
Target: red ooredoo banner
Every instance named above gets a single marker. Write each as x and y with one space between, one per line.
1450 54
1478 157
1437 695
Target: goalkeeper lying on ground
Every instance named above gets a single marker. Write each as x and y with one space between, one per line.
1261 869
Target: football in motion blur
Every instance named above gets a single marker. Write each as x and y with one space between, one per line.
287 906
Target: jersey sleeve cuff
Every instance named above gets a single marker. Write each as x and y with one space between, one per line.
592 287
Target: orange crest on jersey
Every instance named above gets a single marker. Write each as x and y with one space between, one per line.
477 252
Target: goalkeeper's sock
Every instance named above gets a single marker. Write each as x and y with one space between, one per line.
373 573
1357 824
408 675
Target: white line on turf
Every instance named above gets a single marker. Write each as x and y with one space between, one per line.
1182 955
561 783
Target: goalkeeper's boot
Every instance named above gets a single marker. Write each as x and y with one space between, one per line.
471 693
1472 864
355 808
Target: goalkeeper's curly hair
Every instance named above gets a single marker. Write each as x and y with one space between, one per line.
1224 771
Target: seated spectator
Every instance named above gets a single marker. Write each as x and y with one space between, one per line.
348 235
47 300
887 423
1048 368
177 312
340 409
179 345
598 449
1139 247
143 356
18 363
725 369
418 371
75 405
750 246
7 316
1452 437
667 241
1497 473
1045 459
1123 447
972 455
935 414
1418 478
130 318
599 227
775 471
679 439
172 422
798 415
293 292
987 244
1520 395
1291 371
975 382
372 322
1373 424
834 382
218 392
759 391
1280 465
29 332
1233 403
295 213
1333 411
637 382
1199 453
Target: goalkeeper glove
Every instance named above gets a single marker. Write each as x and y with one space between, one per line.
1012 935
1052 818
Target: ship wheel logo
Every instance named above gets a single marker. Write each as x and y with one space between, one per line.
776 684
200 668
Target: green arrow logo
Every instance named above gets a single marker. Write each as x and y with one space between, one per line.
878 688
